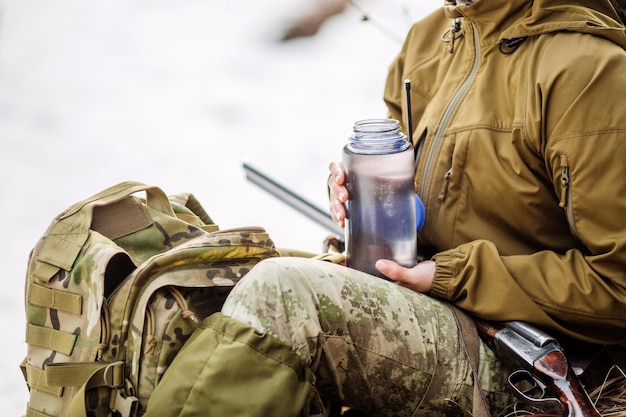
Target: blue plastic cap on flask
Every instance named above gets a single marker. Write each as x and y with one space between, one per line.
420 212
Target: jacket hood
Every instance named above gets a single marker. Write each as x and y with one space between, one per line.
512 19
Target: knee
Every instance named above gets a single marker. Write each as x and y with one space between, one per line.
270 277
271 270
274 296
273 265
282 270
292 281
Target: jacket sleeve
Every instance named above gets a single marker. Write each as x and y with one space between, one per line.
559 293
580 120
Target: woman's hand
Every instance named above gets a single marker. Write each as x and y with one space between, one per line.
419 278
338 192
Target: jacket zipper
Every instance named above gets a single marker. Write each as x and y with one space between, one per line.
566 194
447 115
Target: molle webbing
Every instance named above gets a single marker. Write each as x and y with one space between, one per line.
58 300
55 340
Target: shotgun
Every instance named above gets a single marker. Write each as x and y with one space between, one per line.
543 376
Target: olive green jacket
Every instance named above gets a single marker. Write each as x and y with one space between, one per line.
519 116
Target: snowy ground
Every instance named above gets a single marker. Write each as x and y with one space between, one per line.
175 94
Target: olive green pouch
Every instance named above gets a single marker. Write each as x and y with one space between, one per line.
229 369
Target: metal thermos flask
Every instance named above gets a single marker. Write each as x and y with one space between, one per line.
381 208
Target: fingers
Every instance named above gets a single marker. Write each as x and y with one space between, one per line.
338 192
419 278
390 269
337 175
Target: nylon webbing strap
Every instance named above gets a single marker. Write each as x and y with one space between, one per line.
37 380
50 339
65 374
34 413
61 246
59 300
471 343
110 375
23 369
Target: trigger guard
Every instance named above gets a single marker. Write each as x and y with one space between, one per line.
536 394
530 393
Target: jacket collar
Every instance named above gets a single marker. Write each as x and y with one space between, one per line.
509 19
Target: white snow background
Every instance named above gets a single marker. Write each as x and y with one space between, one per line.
175 94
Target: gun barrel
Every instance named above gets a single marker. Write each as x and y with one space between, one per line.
284 194
515 348
536 336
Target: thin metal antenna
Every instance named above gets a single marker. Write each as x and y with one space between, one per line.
409 122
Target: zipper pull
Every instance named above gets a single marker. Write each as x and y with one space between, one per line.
564 180
452 34
444 187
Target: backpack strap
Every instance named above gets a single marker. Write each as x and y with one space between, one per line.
471 343
109 375
87 375
36 379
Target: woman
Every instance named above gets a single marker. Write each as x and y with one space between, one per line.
518 114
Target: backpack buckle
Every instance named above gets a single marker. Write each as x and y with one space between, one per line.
125 405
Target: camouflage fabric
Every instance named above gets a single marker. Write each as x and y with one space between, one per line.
373 345
115 287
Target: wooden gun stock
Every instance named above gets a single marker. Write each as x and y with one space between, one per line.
554 371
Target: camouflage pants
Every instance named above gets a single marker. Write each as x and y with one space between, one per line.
373 345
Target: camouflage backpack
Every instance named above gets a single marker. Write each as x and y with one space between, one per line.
115 287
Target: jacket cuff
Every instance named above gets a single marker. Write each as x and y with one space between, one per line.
444 273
